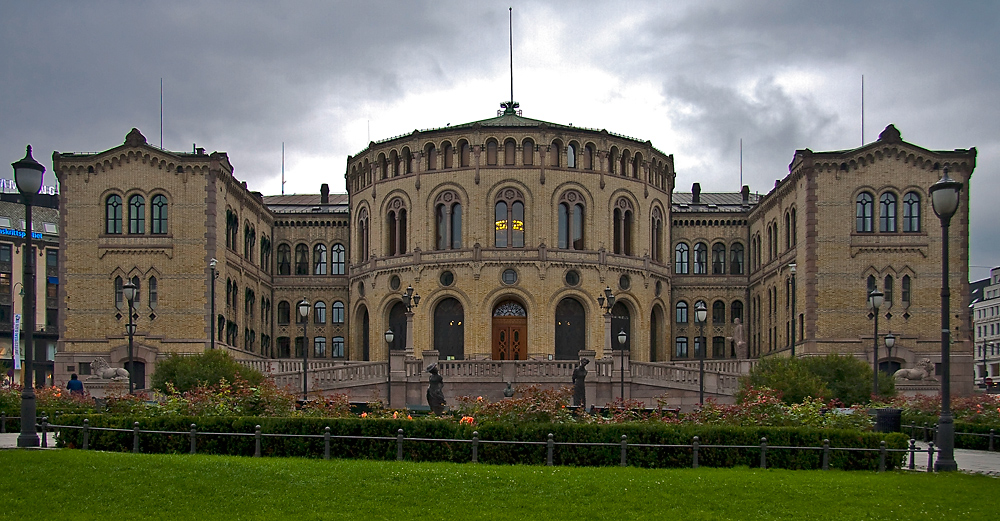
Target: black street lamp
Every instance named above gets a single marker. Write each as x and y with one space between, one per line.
622 337
130 294
607 301
410 300
28 177
944 198
211 318
700 316
389 336
304 313
875 299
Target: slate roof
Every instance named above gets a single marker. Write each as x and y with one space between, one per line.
306 203
724 202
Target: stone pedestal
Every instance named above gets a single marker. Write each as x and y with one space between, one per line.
101 388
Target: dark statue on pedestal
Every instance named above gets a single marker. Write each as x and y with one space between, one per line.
579 384
435 391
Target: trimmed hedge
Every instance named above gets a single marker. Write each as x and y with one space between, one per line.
962 441
505 454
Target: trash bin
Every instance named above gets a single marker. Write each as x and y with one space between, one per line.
888 419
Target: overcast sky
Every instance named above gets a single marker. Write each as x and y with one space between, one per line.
325 78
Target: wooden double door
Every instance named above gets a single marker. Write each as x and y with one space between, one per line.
510 339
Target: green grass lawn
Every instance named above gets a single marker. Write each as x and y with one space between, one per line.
77 485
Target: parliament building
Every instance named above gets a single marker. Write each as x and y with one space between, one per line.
509 238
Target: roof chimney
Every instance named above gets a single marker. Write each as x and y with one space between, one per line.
324 193
745 192
696 193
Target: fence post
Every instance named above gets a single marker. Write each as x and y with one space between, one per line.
930 456
475 446
399 445
135 437
881 456
913 447
624 450
45 428
763 453
86 434
3 422
256 438
194 439
550 446
991 440
826 454
694 453
326 443
925 432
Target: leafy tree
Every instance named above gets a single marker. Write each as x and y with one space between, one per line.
186 372
789 376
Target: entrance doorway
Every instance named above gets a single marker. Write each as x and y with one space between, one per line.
510 328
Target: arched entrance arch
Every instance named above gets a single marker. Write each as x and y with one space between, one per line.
397 321
449 329
510 331
655 332
621 320
571 336
365 334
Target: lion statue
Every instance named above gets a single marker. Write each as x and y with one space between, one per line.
923 371
103 370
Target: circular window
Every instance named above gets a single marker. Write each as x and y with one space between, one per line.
624 282
447 278
659 287
361 289
572 278
394 282
509 276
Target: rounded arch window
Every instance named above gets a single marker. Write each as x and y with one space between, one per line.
624 282
509 276
447 278
572 278
394 282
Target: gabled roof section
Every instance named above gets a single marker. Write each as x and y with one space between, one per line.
306 204
723 202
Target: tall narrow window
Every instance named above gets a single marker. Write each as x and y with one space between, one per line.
718 259
718 313
589 155
700 259
301 259
905 296
911 212
448 221
528 152
681 312
119 292
137 214
284 259
887 290
431 154
363 236
623 216
113 214
509 219
864 212
491 152
448 155
465 153
656 235
571 156
319 312
154 292
159 214
338 264
871 285
396 221
337 347
509 150
284 312
337 315
555 153
736 259
681 259
319 259
681 348
571 221
887 213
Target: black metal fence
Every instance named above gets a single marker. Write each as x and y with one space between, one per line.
928 433
550 444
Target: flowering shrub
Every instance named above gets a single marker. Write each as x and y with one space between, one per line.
763 407
980 409
533 404
335 406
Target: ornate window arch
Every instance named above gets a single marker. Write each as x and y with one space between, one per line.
528 152
509 219
656 235
887 213
136 215
718 259
571 220
682 258
571 150
338 262
623 226
736 259
430 153
319 259
396 227
509 152
448 220
681 312
301 259
491 151
911 212
555 153
448 155
863 213
364 234
464 153
589 157
700 259
113 214
284 259
159 204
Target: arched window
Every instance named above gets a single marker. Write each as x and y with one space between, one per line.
681 312
393 164
911 212
718 259
887 213
284 259
905 294
319 347
449 329
319 312
656 235
509 219
788 231
396 221
509 150
284 312
448 222
718 313
491 152
319 259
430 152
363 235
119 292
137 214
337 347
337 315
736 259
681 347
571 221
589 156
612 160
338 264
113 214
623 227
887 288
636 165
871 285
700 259
383 167
864 213
555 153
571 156
407 161
301 259
465 153
736 311
154 292
159 214
448 154
681 259
528 152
